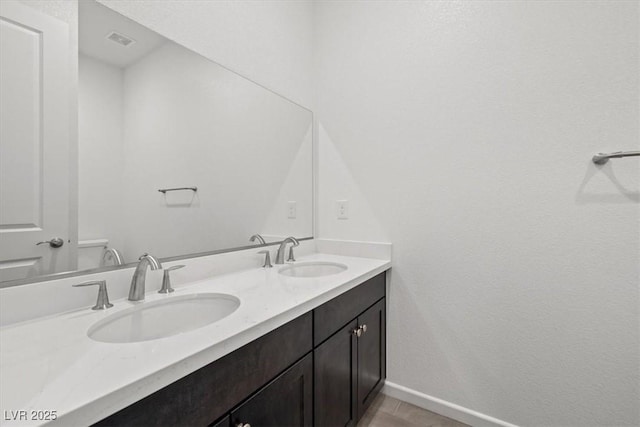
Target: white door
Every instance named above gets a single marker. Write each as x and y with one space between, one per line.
34 142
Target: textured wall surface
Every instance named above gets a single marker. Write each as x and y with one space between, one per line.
266 41
462 132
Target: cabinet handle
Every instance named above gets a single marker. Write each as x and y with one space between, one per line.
357 332
364 328
243 425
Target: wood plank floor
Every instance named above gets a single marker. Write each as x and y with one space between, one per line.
386 411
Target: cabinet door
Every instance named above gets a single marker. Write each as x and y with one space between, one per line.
371 355
336 379
285 401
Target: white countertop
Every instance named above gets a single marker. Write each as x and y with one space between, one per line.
50 364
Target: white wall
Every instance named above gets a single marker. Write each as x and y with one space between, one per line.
266 41
462 132
100 157
296 187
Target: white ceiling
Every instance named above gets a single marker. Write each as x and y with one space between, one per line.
97 21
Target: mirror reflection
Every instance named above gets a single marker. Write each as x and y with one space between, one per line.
230 155
177 154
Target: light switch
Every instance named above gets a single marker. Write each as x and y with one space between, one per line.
291 210
342 209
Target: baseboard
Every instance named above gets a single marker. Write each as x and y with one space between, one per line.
442 407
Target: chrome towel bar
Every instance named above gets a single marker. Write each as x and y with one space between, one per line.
164 190
602 158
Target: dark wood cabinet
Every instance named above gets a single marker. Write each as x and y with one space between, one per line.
287 401
209 393
334 314
350 366
371 355
225 422
313 370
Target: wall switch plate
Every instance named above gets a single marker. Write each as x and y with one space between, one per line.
342 209
292 210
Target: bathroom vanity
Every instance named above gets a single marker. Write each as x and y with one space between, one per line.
330 361
298 350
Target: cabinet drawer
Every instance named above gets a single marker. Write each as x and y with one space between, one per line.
285 401
333 315
208 393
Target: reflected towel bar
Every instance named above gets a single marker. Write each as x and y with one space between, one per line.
164 190
601 158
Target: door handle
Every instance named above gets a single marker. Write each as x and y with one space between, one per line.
56 242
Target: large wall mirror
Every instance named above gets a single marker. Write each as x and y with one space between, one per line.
177 154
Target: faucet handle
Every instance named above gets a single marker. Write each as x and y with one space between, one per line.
291 257
267 259
102 303
166 280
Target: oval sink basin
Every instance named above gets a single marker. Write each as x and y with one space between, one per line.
164 318
313 269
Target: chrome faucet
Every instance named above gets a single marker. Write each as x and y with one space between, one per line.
136 292
259 238
283 247
111 254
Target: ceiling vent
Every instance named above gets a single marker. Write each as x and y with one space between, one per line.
121 39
